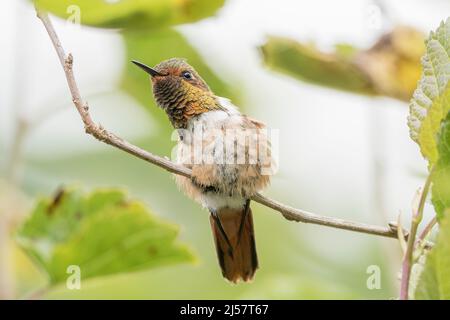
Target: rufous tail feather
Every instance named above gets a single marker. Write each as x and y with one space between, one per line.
235 243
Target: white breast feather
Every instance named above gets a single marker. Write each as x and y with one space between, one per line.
218 119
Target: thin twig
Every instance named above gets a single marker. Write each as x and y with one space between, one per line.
408 257
426 231
422 244
298 215
105 136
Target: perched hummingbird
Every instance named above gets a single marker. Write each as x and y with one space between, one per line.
229 154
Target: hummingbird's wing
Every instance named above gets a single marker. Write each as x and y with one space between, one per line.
231 108
256 123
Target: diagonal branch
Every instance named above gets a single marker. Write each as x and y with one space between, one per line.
105 136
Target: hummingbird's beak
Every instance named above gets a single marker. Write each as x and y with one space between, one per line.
147 69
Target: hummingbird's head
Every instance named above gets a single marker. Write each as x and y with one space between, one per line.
179 90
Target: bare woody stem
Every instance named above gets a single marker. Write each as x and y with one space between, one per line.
427 230
408 258
105 136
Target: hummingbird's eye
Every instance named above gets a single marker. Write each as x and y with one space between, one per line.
187 75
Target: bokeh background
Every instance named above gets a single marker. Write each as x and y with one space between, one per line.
341 154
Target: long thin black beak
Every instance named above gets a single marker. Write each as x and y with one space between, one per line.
146 68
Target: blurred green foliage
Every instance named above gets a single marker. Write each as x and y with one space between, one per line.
305 62
133 13
102 233
391 67
297 287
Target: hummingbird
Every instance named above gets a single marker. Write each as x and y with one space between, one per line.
229 155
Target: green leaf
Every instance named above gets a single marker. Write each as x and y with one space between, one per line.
441 174
132 13
391 67
307 63
431 124
429 104
103 233
434 282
